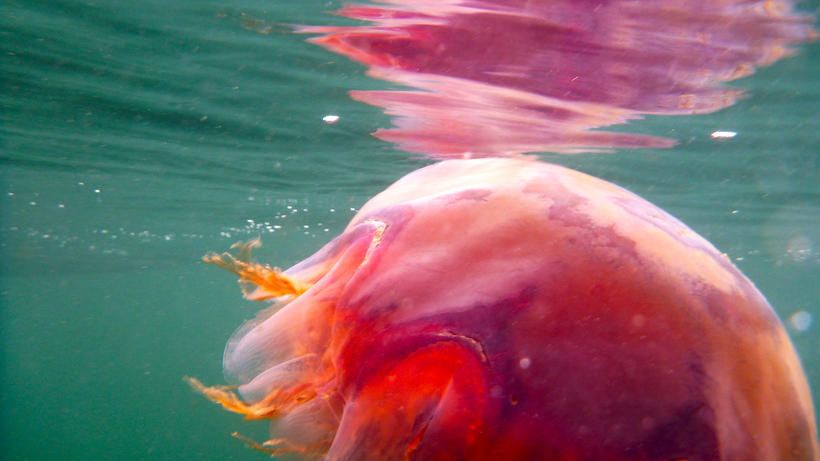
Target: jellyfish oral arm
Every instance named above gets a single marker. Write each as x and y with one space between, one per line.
434 398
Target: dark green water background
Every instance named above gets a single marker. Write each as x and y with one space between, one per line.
136 136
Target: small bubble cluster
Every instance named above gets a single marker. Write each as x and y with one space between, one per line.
291 219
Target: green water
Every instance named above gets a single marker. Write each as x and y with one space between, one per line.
137 136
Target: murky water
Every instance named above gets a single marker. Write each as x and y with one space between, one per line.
138 136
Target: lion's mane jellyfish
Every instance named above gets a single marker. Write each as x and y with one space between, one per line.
506 309
511 309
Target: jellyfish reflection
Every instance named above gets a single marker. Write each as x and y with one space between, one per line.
505 77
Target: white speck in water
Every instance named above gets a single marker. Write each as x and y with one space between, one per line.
724 134
800 321
330 119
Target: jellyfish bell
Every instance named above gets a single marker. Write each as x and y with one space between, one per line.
512 309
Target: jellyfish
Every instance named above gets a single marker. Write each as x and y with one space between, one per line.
485 309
